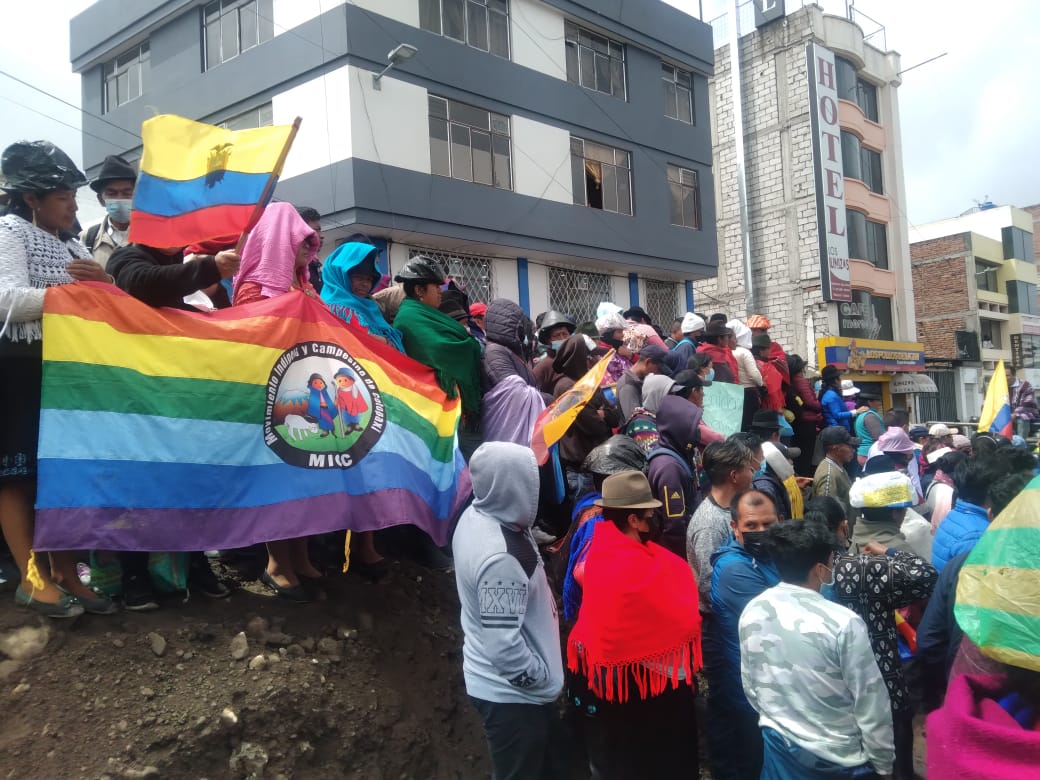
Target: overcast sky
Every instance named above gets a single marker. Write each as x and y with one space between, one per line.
968 119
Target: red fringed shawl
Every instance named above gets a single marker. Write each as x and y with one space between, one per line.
639 618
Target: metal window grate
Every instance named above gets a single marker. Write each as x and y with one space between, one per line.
578 293
469 271
941 405
660 302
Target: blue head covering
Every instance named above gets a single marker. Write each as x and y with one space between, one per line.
341 300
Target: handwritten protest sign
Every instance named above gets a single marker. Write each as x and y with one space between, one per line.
723 407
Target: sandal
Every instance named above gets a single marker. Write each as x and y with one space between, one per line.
66 607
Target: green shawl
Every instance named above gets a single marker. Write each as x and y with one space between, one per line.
432 337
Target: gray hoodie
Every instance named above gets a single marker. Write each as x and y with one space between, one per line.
511 653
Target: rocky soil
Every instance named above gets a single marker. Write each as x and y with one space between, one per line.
365 684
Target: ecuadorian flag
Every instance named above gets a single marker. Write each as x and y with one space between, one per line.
996 410
169 430
199 181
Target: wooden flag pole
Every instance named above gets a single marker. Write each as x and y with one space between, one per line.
268 190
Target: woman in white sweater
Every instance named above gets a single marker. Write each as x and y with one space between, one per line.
748 375
37 250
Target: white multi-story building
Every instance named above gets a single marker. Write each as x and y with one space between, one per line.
556 152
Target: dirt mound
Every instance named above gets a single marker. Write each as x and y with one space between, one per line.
366 684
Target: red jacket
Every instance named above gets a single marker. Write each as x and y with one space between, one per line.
774 397
809 410
723 361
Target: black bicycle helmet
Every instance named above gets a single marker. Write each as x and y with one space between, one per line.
39 166
422 270
552 319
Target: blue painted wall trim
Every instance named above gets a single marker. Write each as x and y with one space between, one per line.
522 285
689 295
633 289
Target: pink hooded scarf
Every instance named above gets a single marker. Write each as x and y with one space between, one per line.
972 737
269 254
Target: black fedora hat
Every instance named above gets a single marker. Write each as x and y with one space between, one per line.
114 168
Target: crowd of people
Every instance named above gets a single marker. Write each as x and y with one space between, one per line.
803 569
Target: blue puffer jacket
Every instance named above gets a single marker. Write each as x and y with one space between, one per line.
958 532
736 578
834 411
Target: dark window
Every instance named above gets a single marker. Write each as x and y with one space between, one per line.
230 27
867 240
126 77
595 62
1022 298
855 89
991 333
601 176
986 275
482 24
866 317
686 197
261 116
469 143
845 78
678 93
1018 244
866 99
851 155
870 164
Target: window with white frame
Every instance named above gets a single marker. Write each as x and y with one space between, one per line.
678 93
601 176
482 24
261 116
126 77
595 61
230 27
686 197
469 143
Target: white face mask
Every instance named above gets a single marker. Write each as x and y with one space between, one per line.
118 209
828 583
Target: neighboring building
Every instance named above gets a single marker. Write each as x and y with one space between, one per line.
543 151
811 168
975 281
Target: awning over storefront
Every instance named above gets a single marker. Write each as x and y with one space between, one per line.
869 355
913 383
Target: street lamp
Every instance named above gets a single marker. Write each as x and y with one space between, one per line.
400 53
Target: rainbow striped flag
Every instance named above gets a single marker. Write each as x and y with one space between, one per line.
996 409
998 590
199 181
169 430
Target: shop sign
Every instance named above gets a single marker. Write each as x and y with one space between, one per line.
869 355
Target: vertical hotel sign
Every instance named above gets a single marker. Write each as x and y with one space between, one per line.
835 275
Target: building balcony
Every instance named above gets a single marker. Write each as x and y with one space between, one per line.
878 208
877 281
851 117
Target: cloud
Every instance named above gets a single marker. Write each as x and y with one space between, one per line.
967 119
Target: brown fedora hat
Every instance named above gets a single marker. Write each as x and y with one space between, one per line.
627 490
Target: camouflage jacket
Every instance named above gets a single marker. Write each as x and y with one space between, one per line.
808 669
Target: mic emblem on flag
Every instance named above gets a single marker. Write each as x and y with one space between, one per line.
324 410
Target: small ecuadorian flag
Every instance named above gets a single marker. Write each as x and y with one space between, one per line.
199 181
996 409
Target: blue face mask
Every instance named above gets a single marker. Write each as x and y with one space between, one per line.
557 344
827 591
710 376
118 209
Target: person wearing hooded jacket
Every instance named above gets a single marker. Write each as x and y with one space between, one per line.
508 333
670 469
594 423
512 663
